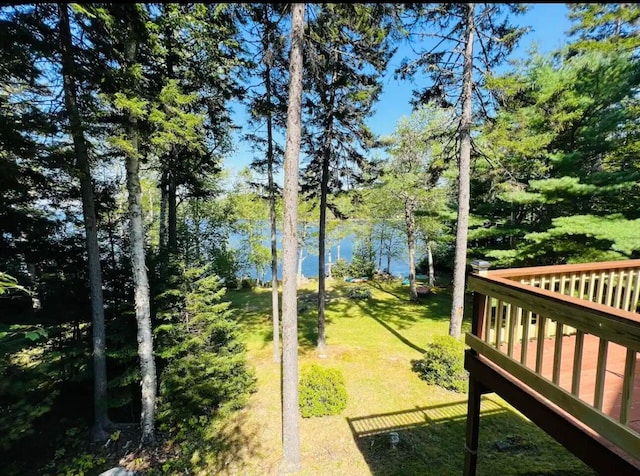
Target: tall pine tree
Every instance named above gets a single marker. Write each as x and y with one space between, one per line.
347 53
565 141
457 73
267 105
290 410
83 170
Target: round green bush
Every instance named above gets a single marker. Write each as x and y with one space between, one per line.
359 292
443 364
322 391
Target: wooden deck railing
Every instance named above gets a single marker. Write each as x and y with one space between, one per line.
517 311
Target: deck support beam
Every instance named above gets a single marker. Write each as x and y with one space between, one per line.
476 389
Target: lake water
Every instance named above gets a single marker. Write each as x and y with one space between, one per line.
398 267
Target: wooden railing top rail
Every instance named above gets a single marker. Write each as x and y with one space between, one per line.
564 268
615 325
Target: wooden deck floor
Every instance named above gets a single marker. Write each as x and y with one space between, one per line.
613 379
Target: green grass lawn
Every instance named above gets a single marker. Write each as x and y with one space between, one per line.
373 342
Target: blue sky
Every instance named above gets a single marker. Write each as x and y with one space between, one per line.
548 22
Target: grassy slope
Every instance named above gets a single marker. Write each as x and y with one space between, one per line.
373 343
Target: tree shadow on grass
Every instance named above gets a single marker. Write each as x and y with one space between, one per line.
233 447
389 288
400 337
253 311
434 306
430 441
251 307
388 307
396 313
308 313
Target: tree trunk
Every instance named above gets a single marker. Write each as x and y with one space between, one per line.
290 410
410 221
432 278
140 278
300 260
101 421
380 247
113 260
460 264
272 218
172 215
322 228
170 159
322 232
162 245
198 235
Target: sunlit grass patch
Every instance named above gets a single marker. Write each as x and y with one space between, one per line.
372 342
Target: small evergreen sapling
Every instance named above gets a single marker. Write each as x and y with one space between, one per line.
206 373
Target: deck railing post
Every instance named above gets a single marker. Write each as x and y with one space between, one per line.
479 268
476 389
473 426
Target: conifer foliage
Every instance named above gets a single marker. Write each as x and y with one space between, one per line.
347 50
205 373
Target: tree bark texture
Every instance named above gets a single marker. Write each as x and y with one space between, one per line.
322 237
172 214
101 421
410 221
432 277
301 259
162 245
460 264
322 228
140 277
290 410
275 317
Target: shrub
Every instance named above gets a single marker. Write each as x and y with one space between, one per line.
340 269
443 364
359 292
322 391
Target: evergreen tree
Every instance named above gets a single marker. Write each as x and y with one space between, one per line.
190 116
82 166
347 52
414 170
450 64
30 236
122 34
206 372
604 27
565 139
290 410
268 109
24 123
